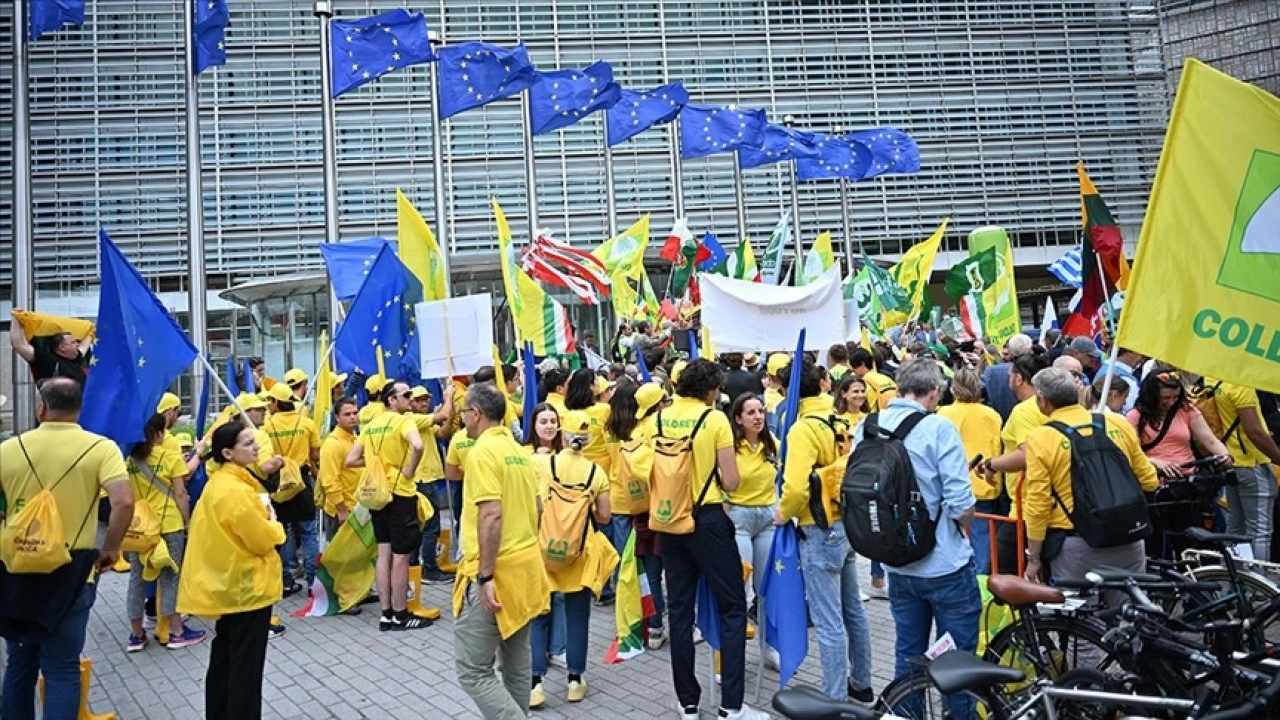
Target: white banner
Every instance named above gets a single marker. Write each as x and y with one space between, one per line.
455 336
748 317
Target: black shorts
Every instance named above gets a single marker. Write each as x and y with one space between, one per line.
397 523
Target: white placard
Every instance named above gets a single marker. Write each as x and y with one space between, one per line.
455 336
749 317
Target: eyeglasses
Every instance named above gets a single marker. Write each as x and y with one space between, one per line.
407 394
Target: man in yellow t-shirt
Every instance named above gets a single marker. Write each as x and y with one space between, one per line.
295 437
74 465
1048 497
394 438
1251 502
430 475
880 388
710 551
337 482
501 582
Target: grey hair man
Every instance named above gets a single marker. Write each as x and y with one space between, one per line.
995 379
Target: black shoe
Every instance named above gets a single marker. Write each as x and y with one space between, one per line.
293 588
864 696
386 623
605 599
409 621
436 577
751 612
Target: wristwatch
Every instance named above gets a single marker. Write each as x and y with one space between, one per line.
986 465
482 579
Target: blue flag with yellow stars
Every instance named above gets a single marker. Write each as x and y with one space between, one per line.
636 112
837 158
711 129
892 151
563 97
366 49
141 350
473 74
210 33
348 263
381 319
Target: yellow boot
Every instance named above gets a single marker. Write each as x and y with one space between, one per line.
415 596
121 566
86 673
751 631
444 549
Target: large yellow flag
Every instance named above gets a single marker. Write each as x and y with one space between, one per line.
913 271
820 257
36 324
322 388
1205 289
538 318
625 252
419 250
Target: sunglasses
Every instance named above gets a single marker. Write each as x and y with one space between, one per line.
407 394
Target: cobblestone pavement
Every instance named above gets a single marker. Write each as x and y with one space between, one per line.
343 668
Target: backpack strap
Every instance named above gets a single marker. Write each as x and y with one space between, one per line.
715 470
67 472
905 427
1164 429
150 476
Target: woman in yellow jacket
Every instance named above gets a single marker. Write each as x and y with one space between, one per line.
232 572
567 473
979 428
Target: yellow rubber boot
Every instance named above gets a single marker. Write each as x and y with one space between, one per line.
86 674
122 565
415 599
444 549
162 623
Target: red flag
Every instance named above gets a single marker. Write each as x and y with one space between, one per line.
676 240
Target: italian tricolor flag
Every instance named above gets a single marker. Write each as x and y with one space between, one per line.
633 606
346 570
971 315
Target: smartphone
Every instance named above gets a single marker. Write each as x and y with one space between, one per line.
974 463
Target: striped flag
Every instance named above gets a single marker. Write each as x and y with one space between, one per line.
346 570
742 263
1067 268
537 317
633 605
971 314
563 265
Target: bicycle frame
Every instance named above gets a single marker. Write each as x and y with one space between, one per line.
1047 693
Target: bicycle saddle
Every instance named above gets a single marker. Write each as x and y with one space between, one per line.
1109 574
1013 590
806 703
957 671
1217 541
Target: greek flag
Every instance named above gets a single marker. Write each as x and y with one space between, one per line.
1068 268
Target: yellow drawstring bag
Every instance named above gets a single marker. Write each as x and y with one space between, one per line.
144 529
33 540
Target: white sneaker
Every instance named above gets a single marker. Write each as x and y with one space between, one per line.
560 660
773 660
864 597
657 638
687 713
878 593
746 712
697 635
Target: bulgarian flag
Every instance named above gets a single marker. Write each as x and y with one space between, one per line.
633 605
537 316
346 570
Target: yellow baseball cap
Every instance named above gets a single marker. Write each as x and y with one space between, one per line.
168 401
776 362
648 395
281 392
575 421
375 385
250 401
677 369
419 392
336 380
295 376
601 386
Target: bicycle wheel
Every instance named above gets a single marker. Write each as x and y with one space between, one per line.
1059 643
1083 679
1258 590
915 697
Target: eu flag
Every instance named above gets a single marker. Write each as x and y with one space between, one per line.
837 158
366 49
780 143
229 377
140 351
711 254
210 33
784 605
349 262
50 15
381 319
473 74
561 98
636 112
892 151
707 614
711 129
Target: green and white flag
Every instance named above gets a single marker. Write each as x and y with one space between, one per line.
771 260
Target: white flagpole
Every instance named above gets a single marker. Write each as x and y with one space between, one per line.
789 121
324 11
24 288
437 165
530 169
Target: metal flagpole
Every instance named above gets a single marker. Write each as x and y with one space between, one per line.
740 198
324 11
530 169
789 121
844 215
196 309
611 208
677 169
437 167
24 286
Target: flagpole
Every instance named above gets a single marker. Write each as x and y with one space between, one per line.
328 133
677 170
437 166
196 302
611 208
789 121
1102 279
740 196
844 214
530 169
24 289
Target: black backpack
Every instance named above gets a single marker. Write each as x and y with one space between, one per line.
1110 508
885 516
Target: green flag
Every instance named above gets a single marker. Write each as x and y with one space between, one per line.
973 274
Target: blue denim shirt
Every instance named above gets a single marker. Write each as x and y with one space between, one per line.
943 475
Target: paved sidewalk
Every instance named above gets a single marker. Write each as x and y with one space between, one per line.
343 668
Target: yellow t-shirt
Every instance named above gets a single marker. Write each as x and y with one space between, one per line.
1049 464
772 399
715 434
293 435
369 412
1024 418
54 448
387 437
337 481
853 418
431 467
166 465
172 442
979 428
497 469
757 476
880 389
556 400
810 443
459 446
1229 398
597 449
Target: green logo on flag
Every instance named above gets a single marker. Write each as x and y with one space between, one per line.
1252 262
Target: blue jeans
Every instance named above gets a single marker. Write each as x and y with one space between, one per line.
428 553
57 656
558 620
577 620
753 532
877 570
980 536
954 603
839 620
618 530
303 533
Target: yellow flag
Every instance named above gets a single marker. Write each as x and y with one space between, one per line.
382 369
322 394
537 316
625 298
419 251
1205 289
625 252
913 271
36 324
820 258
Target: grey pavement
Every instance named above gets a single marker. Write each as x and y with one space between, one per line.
344 668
